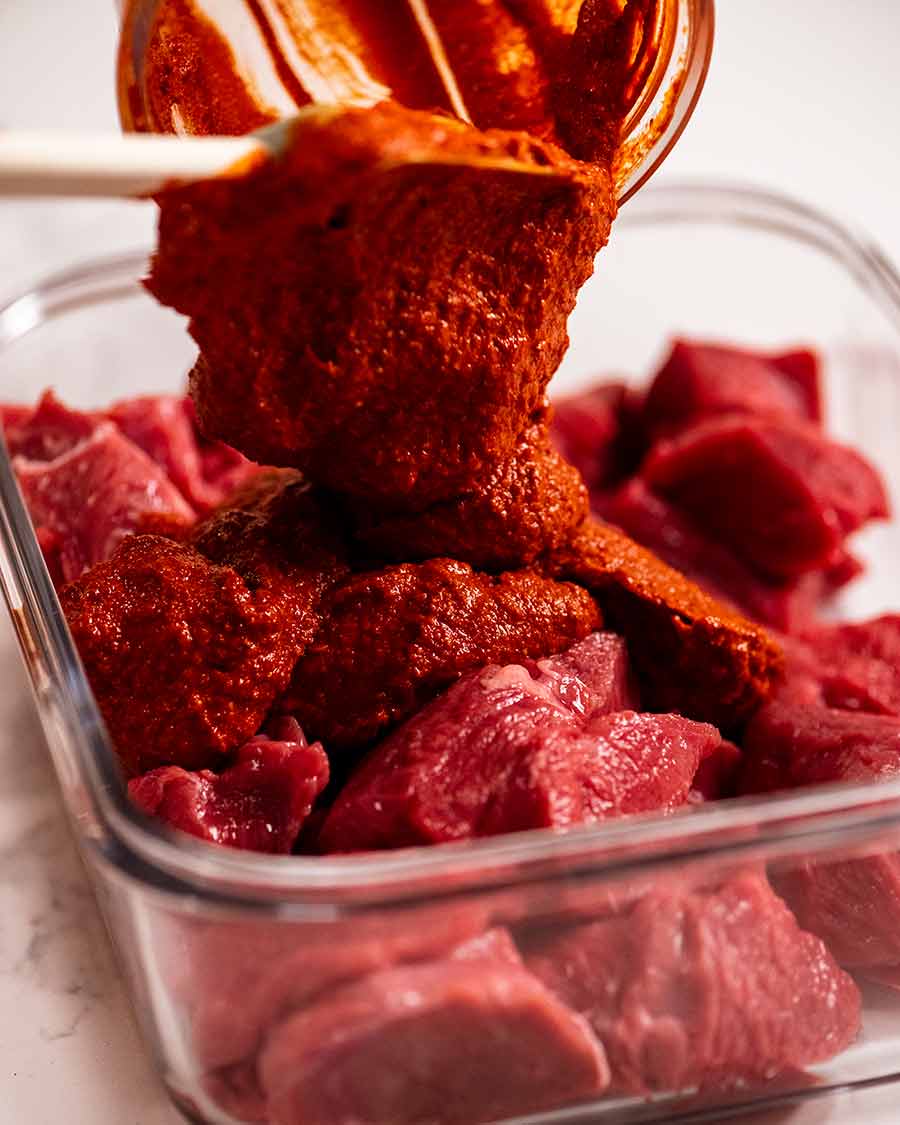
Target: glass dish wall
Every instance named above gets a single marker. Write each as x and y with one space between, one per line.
283 989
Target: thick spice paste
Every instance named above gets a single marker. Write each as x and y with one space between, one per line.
380 308
383 307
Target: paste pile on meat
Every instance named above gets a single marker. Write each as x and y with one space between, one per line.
392 639
379 309
185 658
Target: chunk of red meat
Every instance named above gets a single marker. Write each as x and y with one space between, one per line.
90 497
853 904
701 987
505 750
12 415
699 380
718 775
593 677
48 430
594 431
857 665
796 741
237 981
787 605
222 465
258 802
781 495
472 1038
206 473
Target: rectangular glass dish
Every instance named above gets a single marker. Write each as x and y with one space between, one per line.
221 948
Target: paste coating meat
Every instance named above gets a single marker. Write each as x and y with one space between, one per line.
184 658
526 506
392 639
692 654
278 535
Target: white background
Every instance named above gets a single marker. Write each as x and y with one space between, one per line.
804 96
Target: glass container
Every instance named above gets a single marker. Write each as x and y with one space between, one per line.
239 964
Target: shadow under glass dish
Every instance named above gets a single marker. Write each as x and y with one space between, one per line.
793 277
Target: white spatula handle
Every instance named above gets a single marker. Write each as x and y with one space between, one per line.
107 165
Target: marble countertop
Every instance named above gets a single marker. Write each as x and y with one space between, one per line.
796 100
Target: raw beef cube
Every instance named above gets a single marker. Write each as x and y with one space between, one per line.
854 904
503 751
672 535
238 981
48 430
858 665
700 380
794 741
94 494
472 1038
593 677
701 987
589 430
719 773
163 426
781 495
259 801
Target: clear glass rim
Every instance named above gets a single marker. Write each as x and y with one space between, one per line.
670 95
121 837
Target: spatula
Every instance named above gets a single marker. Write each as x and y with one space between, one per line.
138 166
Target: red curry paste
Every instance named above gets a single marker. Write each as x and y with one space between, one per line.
381 308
